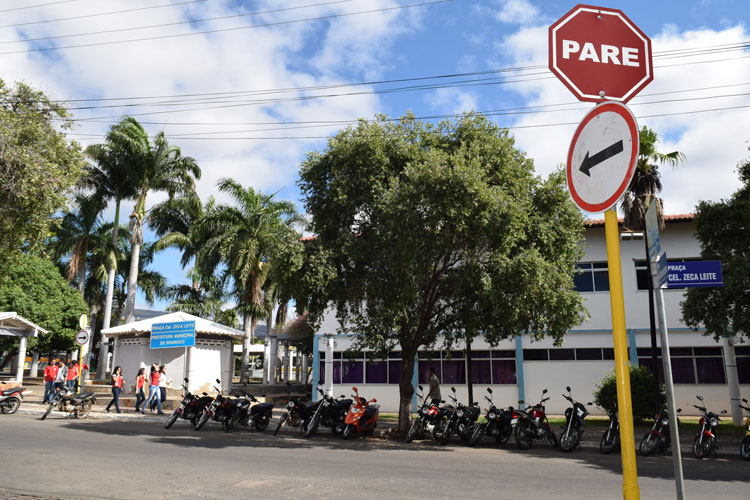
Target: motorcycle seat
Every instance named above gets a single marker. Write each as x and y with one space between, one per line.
344 403
8 392
84 395
309 406
261 408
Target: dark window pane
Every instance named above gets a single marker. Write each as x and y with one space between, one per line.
708 351
337 355
454 372
608 352
394 371
599 265
583 282
641 277
480 372
535 354
353 355
647 363
322 372
742 350
480 354
336 372
646 351
352 372
743 370
562 354
453 355
640 263
601 281
583 266
710 370
322 354
680 351
424 371
429 355
377 372
504 354
588 354
503 371
682 371
394 354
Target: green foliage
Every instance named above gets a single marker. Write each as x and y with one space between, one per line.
34 288
38 166
723 231
641 391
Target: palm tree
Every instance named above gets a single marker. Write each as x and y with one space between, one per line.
206 301
157 166
243 238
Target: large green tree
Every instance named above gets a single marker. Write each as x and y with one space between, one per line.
434 231
38 165
723 229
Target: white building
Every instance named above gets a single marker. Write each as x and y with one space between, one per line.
519 368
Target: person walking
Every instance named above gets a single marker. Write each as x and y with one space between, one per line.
162 386
434 388
116 389
140 384
72 374
50 372
62 375
153 390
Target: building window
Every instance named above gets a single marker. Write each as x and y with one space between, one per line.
690 365
743 363
589 354
562 354
535 355
376 372
591 277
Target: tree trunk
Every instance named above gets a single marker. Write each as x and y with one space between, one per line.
82 270
104 346
406 389
246 342
137 239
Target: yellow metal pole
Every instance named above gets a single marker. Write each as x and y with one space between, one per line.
630 490
80 369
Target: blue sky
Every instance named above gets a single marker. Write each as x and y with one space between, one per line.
462 36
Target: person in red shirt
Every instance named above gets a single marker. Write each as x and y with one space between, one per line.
140 386
153 390
116 389
50 372
72 374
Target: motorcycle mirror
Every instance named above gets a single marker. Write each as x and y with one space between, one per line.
218 381
475 403
544 391
442 401
343 396
205 394
567 387
723 412
679 410
186 380
355 389
374 400
590 403
489 389
700 398
744 400
453 389
521 402
420 387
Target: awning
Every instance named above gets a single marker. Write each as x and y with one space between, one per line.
17 326
203 326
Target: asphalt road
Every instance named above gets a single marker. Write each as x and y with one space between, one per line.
86 459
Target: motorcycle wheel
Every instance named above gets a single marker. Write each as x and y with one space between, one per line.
369 431
11 406
413 430
476 435
312 426
201 421
338 428
701 450
745 448
504 435
347 432
569 440
281 422
523 438
84 410
447 434
171 419
649 444
608 442
48 411
552 439
262 423
232 422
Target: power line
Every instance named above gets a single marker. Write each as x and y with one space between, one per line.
38 5
177 23
85 16
222 30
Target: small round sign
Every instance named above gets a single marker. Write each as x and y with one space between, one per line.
83 321
602 156
82 337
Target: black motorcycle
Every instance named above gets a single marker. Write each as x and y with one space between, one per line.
707 439
329 412
297 412
256 416
498 423
572 431
426 419
66 399
190 408
534 424
611 437
460 421
219 410
745 446
10 400
659 436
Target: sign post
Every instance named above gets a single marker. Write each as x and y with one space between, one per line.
601 56
82 339
655 255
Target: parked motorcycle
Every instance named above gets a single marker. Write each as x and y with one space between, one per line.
498 423
67 400
533 424
256 416
611 437
219 409
362 416
460 420
330 412
658 437
745 446
10 400
570 437
190 408
707 439
297 412
426 419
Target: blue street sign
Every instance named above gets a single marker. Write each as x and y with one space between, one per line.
167 335
696 273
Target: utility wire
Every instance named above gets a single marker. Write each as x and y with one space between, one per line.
223 30
38 5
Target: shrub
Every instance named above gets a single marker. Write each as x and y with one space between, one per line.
641 390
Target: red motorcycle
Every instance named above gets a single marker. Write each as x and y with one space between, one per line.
533 424
362 416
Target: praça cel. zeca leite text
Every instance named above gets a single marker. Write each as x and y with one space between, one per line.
694 277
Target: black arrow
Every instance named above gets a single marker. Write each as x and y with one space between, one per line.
588 163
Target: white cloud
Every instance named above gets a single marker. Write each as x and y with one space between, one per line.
452 101
517 12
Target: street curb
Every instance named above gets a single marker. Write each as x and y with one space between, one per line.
95 415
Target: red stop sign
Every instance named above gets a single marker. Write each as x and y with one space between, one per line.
599 54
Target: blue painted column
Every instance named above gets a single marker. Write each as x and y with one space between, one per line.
519 370
315 367
414 384
633 348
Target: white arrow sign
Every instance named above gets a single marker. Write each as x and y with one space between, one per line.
82 337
